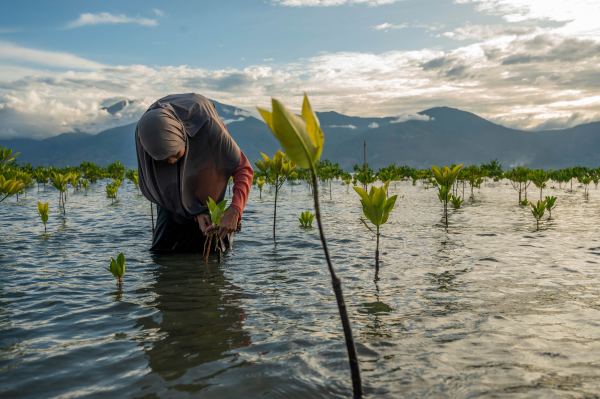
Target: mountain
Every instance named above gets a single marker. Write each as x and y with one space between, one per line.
440 135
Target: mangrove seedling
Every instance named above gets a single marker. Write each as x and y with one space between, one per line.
302 139
59 181
215 212
456 201
112 189
539 178
9 187
260 182
376 207
306 219
117 268
445 178
550 204
43 212
537 210
277 170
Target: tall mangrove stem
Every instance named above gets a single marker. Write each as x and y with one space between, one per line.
339 296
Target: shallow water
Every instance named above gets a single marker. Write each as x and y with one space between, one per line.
488 308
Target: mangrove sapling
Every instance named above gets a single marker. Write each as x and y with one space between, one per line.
117 268
445 178
59 181
302 139
216 212
277 170
9 187
43 212
456 201
112 189
585 179
537 210
260 182
132 176
376 207
550 204
306 219
539 178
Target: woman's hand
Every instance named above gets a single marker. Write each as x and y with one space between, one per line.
229 222
204 222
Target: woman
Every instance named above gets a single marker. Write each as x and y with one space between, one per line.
185 154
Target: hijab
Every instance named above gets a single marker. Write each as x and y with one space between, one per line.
187 121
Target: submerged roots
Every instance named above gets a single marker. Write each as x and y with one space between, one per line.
214 242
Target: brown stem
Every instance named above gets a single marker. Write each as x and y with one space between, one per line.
339 296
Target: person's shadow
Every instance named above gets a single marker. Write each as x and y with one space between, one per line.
200 317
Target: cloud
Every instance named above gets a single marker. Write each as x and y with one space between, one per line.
349 126
387 26
523 81
485 32
411 117
106 18
13 53
373 125
331 3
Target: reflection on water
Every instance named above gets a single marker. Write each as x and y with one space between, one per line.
486 308
199 319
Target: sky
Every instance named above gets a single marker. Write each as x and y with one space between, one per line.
524 64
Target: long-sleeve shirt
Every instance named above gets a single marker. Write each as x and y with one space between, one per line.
242 183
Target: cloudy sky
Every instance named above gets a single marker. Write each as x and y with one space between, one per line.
529 64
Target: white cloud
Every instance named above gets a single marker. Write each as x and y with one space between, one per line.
580 17
12 53
411 117
349 126
106 18
388 26
485 32
331 3
522 81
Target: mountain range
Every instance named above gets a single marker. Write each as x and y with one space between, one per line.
440 135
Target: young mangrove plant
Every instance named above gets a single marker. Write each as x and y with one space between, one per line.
277 170
9 187
132 176
456 201
306 219
302 139
376 207
445 178
550 204
537 210
215 212
43 212
112 189
260 183
539 178
59 181
117 268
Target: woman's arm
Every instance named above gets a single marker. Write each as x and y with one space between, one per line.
242 182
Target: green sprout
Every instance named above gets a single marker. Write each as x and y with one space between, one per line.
376 207
117 268
59 181
302 139
277 170
43 212
132 176
550 204
112 189
306 219
260 182
9 187
537 210
445 178
216 212
456 201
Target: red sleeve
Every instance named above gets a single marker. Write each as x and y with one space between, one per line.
242 183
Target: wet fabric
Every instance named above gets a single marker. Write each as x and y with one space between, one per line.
174 233
210 158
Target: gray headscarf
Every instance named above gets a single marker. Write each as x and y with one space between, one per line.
190 121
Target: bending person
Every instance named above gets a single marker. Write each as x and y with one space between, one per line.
185 154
